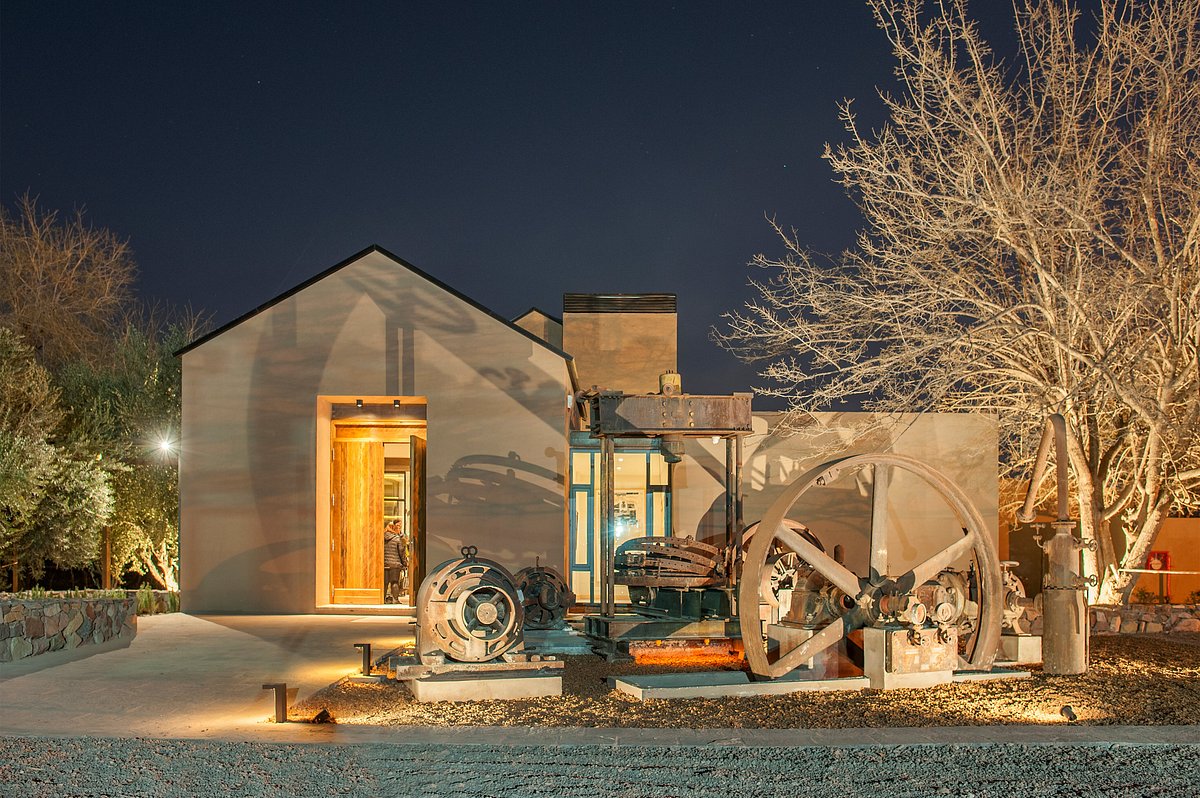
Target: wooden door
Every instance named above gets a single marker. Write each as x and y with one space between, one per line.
356 523
417 561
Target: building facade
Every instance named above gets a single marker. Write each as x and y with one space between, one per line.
374 406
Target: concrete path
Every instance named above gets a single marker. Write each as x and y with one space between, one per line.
187 676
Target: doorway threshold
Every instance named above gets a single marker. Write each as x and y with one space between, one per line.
397 610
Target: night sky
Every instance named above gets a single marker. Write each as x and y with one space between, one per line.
513 150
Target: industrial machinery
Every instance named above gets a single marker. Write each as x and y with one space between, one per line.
470 638
791 600
673 576
916 626
546 597
468 610
1065 617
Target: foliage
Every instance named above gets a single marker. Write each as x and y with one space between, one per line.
52 501
63 285
128 412
1032 246
145 600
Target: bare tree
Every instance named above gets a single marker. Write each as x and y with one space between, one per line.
1032 245
63 285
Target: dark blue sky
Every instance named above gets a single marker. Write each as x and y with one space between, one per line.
514 150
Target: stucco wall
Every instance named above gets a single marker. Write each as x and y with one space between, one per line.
963 447
249 442
621 351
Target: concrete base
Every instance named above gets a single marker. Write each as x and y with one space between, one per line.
556 641
987 676
1020 649
727 684
491 687
890 662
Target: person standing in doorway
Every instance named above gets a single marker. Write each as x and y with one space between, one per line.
394 561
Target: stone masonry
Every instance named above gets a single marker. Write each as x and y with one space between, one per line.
29 627
1150 618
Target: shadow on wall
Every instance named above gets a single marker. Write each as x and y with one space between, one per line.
279 562
513 495
295 355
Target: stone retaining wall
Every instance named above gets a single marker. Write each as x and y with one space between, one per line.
29 627
1150 618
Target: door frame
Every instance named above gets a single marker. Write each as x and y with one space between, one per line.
399 410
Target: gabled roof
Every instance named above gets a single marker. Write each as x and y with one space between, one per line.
536 309
399 262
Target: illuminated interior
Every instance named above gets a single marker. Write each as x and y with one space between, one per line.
642 506
376 533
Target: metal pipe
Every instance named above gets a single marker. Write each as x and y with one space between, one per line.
607 489
1056 431
1065 622
729 468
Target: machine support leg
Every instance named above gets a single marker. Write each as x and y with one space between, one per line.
738 522
730 467
607 485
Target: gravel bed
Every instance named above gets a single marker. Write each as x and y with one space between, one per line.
1132 680
50 768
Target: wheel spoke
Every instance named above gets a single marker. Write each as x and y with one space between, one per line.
814 645
940 561
879 524
835 572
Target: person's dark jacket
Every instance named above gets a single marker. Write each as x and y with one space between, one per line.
393 551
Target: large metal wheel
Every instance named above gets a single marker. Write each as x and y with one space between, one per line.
546 597
878 595
469 610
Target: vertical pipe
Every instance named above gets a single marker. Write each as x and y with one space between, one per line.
1065 619
607 488
729 489
738 522
612 524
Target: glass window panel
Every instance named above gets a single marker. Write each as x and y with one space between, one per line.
580 555
629 472
629 515
581 585
658 470
581 468
658 507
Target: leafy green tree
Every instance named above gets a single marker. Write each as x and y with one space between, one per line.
54 499
127 412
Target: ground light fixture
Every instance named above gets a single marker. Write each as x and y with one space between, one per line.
366 657
358 403
280 689
1068 713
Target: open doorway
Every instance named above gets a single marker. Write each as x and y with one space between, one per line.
376 510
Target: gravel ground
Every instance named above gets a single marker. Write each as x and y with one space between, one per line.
44 768
1132 680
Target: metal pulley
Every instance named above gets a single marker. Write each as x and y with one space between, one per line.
546 597
468 610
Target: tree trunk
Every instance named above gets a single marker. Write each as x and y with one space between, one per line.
1116 587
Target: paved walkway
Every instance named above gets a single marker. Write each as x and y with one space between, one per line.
201 677
188 676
